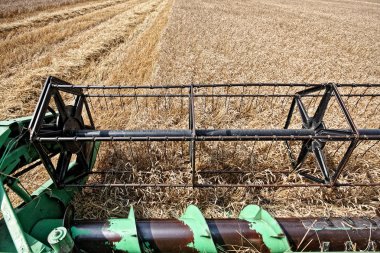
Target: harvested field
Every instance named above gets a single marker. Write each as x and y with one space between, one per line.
181 42
14 8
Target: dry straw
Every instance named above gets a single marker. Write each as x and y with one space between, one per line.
182 42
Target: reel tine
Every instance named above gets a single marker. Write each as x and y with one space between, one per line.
213 98
269 149
368 103
242 99
235 147
349 95
182 150
86 92
204 108
165 149
149 149
284 98
256 101
250 103
165 102
252 153
360 97
338 148
181 100
131 151
136 99
146 104
168 99
226 104
121 100
315 99
99 103
376 108
271 105
369 148
104 97
217 152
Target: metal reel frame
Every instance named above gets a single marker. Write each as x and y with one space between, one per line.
68 119
316 123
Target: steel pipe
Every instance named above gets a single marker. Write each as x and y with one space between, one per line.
216 135
303 234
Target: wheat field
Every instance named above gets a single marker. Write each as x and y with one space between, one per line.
170 42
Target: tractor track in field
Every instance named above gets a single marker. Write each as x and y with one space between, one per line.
73 55
57 16
138 55
11 10
42 39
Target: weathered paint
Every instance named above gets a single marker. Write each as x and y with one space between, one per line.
113 235
203 242
12 222
170 236
230 234
47 202
126 228
93 237
306 233
173 236
263 223
60 240
77 232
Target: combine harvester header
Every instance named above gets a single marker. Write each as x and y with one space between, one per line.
313 127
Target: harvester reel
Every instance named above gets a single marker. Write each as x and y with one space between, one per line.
317 124
45 221
69 119
75 136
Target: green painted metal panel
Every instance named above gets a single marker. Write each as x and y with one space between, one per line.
203 242
263 223
42 228
4 133
127 229
20 190
12 222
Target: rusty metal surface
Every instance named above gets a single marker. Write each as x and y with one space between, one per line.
97 237
304 234
165 235
231 233
309 233
169 236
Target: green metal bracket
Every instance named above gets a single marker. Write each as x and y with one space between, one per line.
194 219
263 223
20 190
12 222
20 227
